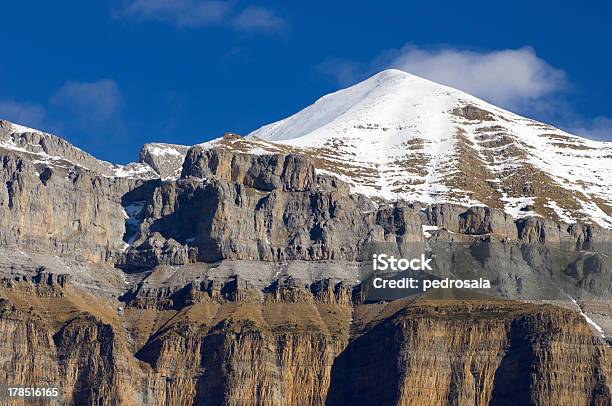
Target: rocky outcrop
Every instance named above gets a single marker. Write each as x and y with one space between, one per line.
263 172
539 230
165 159
295 346
473 353
534 230
471 112
71 212
483 220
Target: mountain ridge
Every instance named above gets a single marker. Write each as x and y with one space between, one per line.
396 136
244 281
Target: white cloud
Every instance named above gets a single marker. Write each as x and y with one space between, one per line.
182 13
29 114
509 78
345 72
200 13
253 19
89 101
515 79
91 108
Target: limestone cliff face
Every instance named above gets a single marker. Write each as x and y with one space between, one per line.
296 346
239 284
484 220
264 172
473 353
27 347
268 208
71 212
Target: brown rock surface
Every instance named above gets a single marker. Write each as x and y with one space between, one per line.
296 346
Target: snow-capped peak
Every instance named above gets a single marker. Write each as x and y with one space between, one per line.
399 136
382 99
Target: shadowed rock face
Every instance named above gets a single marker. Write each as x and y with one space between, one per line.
238 284
221 220
467 353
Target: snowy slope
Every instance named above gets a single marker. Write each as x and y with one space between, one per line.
399 136
44 149
157 160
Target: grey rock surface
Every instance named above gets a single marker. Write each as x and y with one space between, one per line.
259 220
165 159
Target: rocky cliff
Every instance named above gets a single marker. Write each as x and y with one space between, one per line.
293 346
241 281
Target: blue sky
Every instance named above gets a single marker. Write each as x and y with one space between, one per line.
110 76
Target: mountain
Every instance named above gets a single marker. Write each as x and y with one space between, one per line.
398 136
238 271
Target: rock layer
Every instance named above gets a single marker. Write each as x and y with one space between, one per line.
295 346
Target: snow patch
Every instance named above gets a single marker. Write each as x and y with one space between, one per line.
131 170
133 219
20 129
259 151
427 230
560 212
165 149
515 206
589 321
